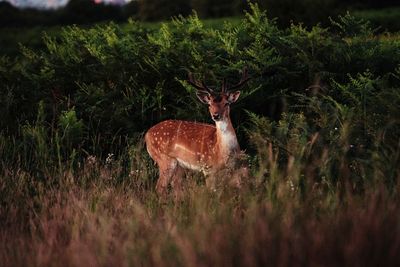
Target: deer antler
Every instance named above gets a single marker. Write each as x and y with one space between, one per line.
243 80
202 87
224 86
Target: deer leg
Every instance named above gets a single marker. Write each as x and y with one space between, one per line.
239 177
211 181
167 168
177 182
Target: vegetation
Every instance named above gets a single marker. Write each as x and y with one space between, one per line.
319 122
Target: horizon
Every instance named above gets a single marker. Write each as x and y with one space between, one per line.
54 4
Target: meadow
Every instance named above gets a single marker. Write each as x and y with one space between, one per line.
319 122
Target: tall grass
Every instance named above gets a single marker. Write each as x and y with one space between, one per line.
302 205
283 218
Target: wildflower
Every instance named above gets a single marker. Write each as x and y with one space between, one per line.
91 160
291 185
109 158
134 173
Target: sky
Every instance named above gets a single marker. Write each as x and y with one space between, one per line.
54 3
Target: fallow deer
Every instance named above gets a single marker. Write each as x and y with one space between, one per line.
176 145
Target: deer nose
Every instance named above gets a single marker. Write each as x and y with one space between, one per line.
216 116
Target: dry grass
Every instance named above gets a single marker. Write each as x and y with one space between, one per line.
303 205
102 223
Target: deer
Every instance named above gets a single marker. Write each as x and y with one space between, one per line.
178 145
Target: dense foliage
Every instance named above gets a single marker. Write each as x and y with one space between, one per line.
319 120
116 82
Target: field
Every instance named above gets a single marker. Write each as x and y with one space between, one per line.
382 19
319 122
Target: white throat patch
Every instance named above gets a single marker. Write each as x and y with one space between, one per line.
228 138
222 125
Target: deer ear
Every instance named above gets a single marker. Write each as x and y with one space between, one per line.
233 96
204 97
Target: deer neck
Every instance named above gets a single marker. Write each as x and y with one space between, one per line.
226 138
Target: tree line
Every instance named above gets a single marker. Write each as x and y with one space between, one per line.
87 11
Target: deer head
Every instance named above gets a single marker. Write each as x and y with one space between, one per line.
219 102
